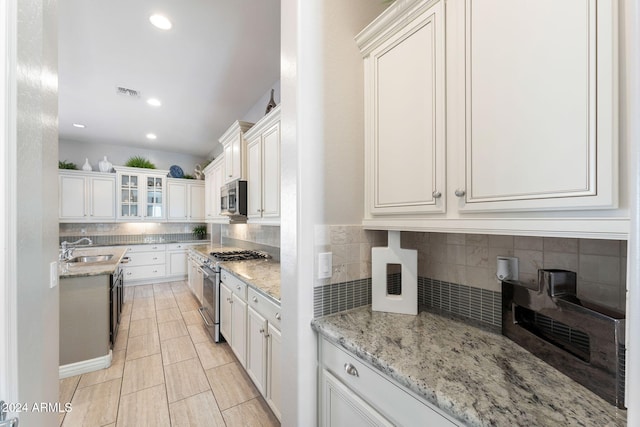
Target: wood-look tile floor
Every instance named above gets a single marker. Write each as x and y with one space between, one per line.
166 371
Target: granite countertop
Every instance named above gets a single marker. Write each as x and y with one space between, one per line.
262 275
80 269
479 377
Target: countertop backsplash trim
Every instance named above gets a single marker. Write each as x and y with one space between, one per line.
464 301
131 239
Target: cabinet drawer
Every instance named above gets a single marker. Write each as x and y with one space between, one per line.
264 306
146 258
143 272
236 285
396 404
145 248
178 246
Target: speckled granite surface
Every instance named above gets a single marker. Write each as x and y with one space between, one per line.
95 268
263 275
480 378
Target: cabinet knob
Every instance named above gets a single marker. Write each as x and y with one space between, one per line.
262 331
277 316
351 370
238 287
436 194
254 299
460 193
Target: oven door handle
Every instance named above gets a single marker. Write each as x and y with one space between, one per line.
201 311
206 275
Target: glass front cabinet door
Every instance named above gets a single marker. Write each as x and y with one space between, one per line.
140 195
154 201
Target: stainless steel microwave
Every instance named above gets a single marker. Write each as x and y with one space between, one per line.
233 200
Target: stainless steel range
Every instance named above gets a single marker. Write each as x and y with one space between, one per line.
210 311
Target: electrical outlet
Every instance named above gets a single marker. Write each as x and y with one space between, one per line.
53 274
324 265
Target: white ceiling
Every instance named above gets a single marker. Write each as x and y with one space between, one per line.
219 58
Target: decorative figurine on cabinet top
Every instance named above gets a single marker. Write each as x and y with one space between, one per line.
272 103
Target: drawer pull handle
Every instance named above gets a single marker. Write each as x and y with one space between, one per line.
351 370
277 316
254 299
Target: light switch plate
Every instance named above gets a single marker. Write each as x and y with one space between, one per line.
53 274
324 265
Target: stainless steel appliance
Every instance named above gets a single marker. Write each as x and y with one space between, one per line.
210 311
233 200
583 340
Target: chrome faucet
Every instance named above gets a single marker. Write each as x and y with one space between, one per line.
67 252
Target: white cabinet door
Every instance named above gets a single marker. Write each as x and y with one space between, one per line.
102 202
177 263
225 311
239 328
256 349
177 201
540 97
271 172
196 201
405 112
229 162
274 370
235 150
254 177
73 198
342 407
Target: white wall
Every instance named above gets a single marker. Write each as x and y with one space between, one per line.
321 154
76 152
31 190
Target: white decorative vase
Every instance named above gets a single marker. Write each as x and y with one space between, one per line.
86 167
105 165
405 301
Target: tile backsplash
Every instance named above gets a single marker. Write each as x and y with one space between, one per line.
468 261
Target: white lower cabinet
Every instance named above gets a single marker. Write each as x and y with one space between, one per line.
145 262
233 314
264 345
195 279
353 394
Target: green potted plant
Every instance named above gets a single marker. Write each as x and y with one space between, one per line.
63 164
200 231
139 162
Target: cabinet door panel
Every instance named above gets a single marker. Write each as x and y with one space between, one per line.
177 263
177 201
271 172
254 178
274 363
102 200
239 329
72 197
532 116
407 159
256 349
225 312
196 202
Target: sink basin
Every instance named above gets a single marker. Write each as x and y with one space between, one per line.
90 258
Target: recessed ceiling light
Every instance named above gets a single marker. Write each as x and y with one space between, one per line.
160 21
151 136
155 102
78 125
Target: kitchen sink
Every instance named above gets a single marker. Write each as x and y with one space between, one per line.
90 258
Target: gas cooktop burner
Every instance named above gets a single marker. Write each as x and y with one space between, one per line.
239 255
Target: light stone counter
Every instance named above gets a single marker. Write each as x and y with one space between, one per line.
263 274
479 377
80 269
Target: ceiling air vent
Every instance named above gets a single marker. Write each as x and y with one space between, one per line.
131 93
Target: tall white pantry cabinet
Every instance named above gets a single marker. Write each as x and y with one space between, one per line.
493 115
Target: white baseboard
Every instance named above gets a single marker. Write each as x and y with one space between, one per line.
85 366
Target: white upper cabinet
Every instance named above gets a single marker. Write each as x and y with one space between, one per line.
214 178
185 200
263 169
87 197
141 194
494 116
235 150
540 96
405 114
